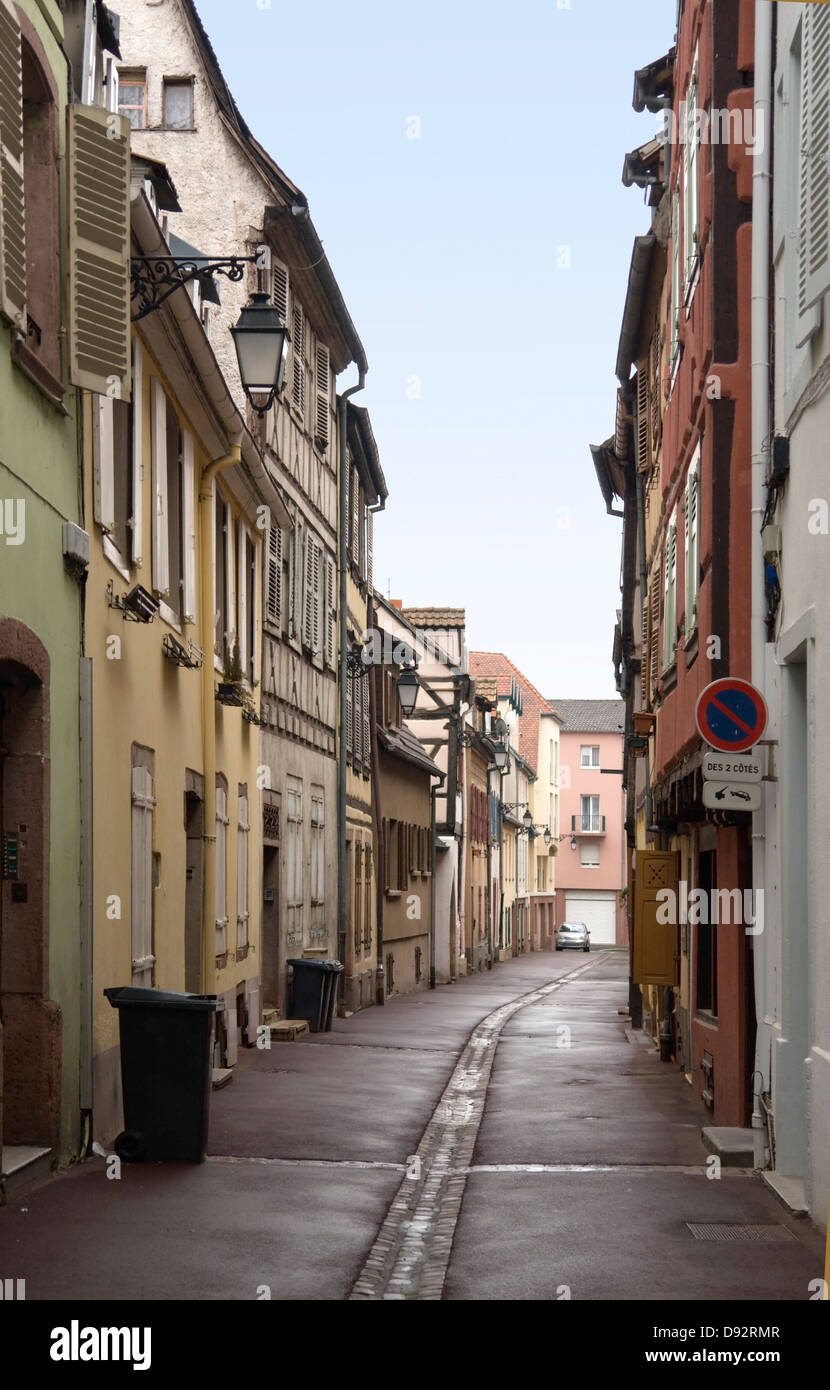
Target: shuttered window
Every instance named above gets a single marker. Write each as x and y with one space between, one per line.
279 289
357 902
294 861
298 359
297 577
220 578
242 597
368 890
188 528
654 593
331 613
313 596
691 232
814 210
141 894
643 452
322 388
370 550
692 533
273 578
670 596
242 832
99 250
12 202
367 722
221 870
137 518
173 507
674 306
350 703
161 555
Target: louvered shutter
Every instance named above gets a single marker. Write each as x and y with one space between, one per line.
279 289
273 579
692 506
297 569
161 562
317 600
367 723
99 250
670 597
104 463
188 528
355 518
12 204
141 892
331 613
357 908
370 550
308 591
642 420
322 391
368 884
137 518
242 597
654 629
814 258
350 684
298 344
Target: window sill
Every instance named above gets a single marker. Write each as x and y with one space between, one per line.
242 952
221 961
706 1017
29 363
690 647
668 677
166 613
116 559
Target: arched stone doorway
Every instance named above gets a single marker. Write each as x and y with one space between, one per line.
30 1024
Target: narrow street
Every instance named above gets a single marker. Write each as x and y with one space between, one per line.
558 1158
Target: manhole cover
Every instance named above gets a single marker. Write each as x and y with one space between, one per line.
721 1231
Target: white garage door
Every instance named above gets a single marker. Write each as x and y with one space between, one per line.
597 911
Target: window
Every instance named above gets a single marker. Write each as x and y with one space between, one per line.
396 857
242 831
670 595
298 359
42 228
174 519
589 856
674 303
221 868
318 866
814 225
541 875
691 229
220 554
295 887
589 755
322 417
178 103
113 470
132 96
246 602
173 508
368 889
357 908
589 814
141 893
314 615
274 578
706 965
692 532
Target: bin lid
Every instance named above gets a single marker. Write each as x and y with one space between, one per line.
135 996
331 965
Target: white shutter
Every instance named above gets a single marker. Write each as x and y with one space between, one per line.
230 582
298 345
273 577
322 389
692 508
12 203
317 602
814 261
367 723
675 283
370 549
99 250
189 528
279 289
297 587
254 580
137 519
242 595
221 871
670 605
690 175
356 519
350 702
331 613
161 562
141 889
104 462
242 874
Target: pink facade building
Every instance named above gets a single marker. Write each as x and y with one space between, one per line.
590 866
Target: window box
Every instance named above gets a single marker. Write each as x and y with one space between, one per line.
228 693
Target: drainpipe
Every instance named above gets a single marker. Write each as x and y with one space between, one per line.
761 184
380 990
432 863
462 913
206 492
343 674
488 896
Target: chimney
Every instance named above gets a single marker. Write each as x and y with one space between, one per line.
396 603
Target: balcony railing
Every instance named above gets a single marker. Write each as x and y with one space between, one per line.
587 825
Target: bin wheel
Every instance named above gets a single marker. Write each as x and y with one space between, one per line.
131 1146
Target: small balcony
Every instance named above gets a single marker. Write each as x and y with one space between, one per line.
588 825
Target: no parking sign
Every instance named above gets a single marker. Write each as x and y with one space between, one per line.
731 715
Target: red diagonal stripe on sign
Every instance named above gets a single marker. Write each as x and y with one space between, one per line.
724 709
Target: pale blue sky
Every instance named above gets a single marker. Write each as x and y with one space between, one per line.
446 249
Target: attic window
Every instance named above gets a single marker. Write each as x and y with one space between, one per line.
132 96
178 103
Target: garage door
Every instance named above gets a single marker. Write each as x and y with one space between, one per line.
597 911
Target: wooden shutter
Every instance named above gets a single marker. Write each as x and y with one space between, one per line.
317 600
298 343
322 419
103 436
242 596
367 722
137 518
12 203
692 505
161 558
242 873
308 591
273 577
279 289
814 211
654 629
358 894
188 528
99 250
330 614
141 891
297 571
643 454
368 885
370 550
355 518
670 597
350 684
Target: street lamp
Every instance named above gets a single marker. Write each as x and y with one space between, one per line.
527 820
408 687
261 341
501 755
548 836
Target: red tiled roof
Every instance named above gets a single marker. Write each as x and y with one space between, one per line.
534 704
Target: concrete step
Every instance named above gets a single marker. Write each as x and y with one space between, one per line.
23 1166
222 1077
288 1029
271 1015
734 1147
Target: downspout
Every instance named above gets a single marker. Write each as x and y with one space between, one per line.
761 185
501 879
343 674
462 896
206 493
488 896
432 863
380 991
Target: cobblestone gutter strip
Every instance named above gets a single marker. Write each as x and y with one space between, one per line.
410 1256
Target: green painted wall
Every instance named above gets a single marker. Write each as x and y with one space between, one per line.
39 455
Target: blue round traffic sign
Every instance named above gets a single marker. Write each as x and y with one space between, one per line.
731 715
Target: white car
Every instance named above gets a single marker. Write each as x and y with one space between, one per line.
573 936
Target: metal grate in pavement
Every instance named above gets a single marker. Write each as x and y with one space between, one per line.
722 1231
